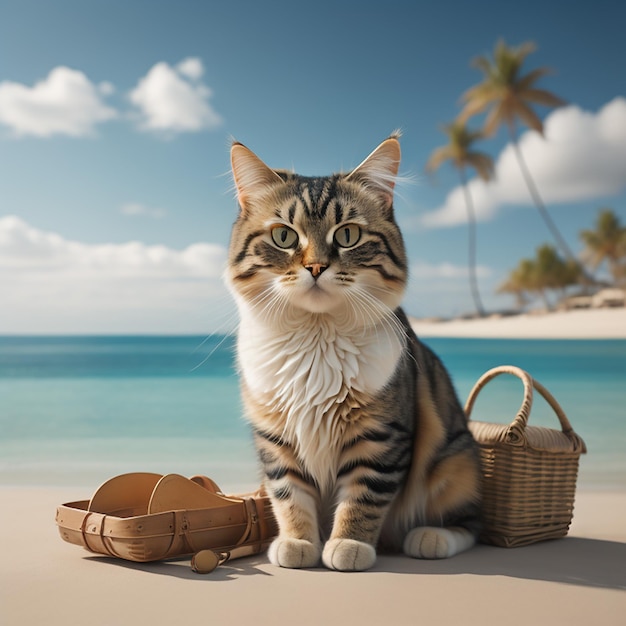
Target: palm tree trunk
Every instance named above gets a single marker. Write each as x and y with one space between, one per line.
471 248
534 193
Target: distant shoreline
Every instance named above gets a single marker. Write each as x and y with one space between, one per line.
576 324
606 323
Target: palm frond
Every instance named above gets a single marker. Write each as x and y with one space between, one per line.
505 91
482 63
542 97
607 242
523 50
482 163
528 116
438 157
458 150
477 100
526 82
496 116
470 110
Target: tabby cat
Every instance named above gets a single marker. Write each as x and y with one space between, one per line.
361 438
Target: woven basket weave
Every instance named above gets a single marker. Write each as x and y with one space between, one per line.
529 472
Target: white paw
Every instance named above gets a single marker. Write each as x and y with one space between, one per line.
293 553
348 555
437 543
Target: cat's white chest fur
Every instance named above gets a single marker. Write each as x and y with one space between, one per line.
309 375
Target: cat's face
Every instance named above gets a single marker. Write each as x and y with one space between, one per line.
324 245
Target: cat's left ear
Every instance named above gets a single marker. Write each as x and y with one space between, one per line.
250 173
380 169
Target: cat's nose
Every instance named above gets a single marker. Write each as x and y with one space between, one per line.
315 268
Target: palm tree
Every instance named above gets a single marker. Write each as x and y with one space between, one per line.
553 272
458 151
607 242
509 96
547 271
521 282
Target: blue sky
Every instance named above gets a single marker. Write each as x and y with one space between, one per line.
115 121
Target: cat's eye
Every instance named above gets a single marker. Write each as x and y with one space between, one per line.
284 237
348 235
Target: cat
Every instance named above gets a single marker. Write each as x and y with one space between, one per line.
361 438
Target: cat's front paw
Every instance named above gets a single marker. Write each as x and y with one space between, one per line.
293 553
437 543
348 555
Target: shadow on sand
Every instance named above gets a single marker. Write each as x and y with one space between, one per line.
573 560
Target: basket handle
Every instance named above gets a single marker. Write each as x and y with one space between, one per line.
516 432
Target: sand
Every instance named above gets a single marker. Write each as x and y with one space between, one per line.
577 324
577 580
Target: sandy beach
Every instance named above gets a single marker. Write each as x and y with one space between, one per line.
577 324
577 580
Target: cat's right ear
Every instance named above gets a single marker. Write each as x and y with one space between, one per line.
380 169
250 173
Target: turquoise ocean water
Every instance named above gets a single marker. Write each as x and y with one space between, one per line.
79 410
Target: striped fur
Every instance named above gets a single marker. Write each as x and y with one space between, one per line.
361 438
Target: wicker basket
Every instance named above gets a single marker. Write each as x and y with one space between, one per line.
529 472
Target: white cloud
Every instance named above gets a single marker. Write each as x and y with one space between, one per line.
444 271
582 157
442 289
172 100
52 284
106 88
191 68
64 103
136 209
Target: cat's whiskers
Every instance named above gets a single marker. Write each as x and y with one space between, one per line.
363 310
272 311
283 303
265 304
379 314
222 307
378 311
212 352
383 289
